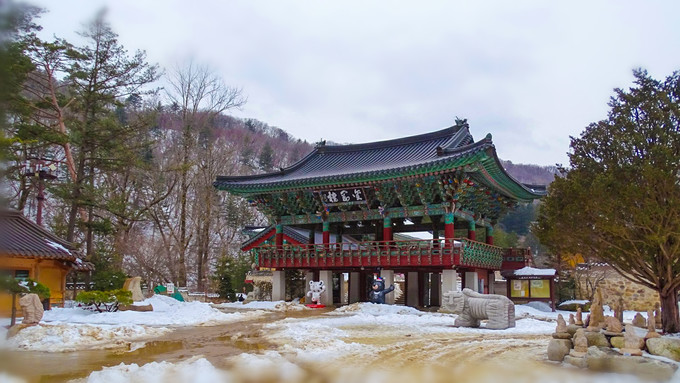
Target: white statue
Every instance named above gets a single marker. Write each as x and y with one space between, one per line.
315 291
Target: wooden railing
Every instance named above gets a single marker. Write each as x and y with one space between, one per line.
443 252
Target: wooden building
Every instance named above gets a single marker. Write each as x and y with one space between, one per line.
335 212
29 251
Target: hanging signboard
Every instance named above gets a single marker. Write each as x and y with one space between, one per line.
348 196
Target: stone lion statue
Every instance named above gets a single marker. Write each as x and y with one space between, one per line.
472 307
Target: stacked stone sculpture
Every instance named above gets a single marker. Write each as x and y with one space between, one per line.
605 346
631 345
579 317
596 321
651 326
639 321
613 326
560 345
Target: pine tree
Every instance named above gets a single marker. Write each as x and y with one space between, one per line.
223 277
266 159
620 200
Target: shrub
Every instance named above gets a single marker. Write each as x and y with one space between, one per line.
15 287
29 286
105 300
108 280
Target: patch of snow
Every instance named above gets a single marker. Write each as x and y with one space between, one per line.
57 246
197 370
575 302
268 367
167 311
65 337
376 309
534 271
264 305
7 378
325 338
540 306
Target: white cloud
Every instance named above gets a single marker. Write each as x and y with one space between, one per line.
530 73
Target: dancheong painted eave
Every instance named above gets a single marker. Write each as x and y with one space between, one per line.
432 153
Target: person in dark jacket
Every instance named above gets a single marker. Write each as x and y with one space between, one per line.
378 291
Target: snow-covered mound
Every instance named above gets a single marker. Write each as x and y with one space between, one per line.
197 370
69 337
167 311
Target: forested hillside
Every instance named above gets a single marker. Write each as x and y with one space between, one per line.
531 174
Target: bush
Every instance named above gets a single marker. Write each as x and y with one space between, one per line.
108 280
106 300
29 286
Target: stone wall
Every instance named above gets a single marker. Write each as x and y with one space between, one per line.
636 297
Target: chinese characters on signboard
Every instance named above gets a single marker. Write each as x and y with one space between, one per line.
343 196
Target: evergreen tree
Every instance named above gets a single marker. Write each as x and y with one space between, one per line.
223 277
266 159
620 201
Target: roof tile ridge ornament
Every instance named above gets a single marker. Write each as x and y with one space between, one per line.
486 143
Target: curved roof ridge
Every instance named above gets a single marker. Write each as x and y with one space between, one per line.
454 131
450 131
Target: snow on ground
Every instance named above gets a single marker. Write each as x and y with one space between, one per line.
329 336
197 370
70 329
575 301
536 310
264 305
272 367
167 311
7 378
72 337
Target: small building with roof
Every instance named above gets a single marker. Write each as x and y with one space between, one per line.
339 210
28 251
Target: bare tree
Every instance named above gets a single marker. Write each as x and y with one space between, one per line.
199 95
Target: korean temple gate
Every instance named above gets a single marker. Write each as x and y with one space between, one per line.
338 210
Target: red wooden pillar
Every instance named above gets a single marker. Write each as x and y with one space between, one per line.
449 229
326 234
472 233
387 231
489 235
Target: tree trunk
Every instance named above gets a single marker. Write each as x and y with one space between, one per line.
182 278
184 185
14 310
669 312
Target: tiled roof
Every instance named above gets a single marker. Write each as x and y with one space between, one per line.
300 235
20 237
334 165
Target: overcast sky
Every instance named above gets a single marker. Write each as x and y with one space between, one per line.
530 73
